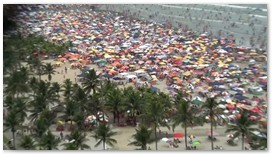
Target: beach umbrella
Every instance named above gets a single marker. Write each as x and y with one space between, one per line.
187 73
71 122
178 135
165 139
197 101
196 143
162 63
232 103
141 62
226 111
258 133
230 106
230 136
221 106
60 122
253 117
58 63
62 59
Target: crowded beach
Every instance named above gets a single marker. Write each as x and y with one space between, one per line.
141 53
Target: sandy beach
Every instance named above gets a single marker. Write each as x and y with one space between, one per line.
124 133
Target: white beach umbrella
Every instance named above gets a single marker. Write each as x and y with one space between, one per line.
165 139
226 111
221 106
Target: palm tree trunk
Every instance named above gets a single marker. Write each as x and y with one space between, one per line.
114 116
185 131
243 139
49 77
13 136
94 91
40 78
132 115
71 123
118 117
104 145
212 133
156 136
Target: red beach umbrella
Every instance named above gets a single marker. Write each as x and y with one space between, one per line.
178 135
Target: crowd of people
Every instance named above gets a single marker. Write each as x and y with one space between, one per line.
147 52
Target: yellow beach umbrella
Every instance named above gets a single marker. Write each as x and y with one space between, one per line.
69 122
175 78
228 60
162 63
188 91
60 122
187 73
178 57
231 102
58 63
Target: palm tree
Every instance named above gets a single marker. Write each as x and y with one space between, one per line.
49 141
28 143
166 101
71 108
79 118
12 122
24 73
91 82
44 95
114 103
107 86
154 113
258 142
133 102
8 102
16 83
242 126
36 64
95 104
77 141
20 106
183 115
56 88
142 137
33 84
212 111
41 125
67 88
49 70
70 146
104 135
80 97
10 58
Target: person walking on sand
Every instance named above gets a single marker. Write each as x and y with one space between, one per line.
65 70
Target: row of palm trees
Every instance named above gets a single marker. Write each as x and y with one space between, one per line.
152 109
